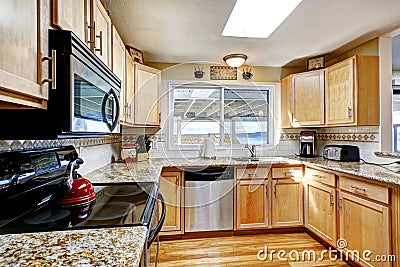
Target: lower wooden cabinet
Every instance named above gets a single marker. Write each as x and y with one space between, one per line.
171 189
251 204
287 203
365 225
320 211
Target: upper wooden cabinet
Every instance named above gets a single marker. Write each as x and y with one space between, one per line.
72 15
352 92
348 97
308 98
302 99
23 28
100 34
147 96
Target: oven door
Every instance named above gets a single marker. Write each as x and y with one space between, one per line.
94 98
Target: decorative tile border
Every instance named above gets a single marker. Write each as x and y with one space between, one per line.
13 145
352 137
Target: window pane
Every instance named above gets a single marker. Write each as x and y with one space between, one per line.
246 116
196 114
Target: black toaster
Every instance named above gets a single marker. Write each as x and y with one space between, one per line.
346 153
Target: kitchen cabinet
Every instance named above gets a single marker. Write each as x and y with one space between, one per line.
286 103
100 34
171 189
287 196
320 204
128 95
365 225
352 92
23 28
320 211
287 203
308 98
147 84
118 67
251 204
302 99
71 15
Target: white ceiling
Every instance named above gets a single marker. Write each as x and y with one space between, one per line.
179 31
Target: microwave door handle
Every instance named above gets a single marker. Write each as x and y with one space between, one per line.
103 109
155 231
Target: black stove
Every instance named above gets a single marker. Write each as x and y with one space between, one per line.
30 181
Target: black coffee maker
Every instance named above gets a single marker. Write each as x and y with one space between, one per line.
308 144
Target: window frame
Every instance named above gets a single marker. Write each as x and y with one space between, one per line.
271 87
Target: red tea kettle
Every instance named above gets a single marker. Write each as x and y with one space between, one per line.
79 192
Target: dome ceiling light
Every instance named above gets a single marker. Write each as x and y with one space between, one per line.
235 60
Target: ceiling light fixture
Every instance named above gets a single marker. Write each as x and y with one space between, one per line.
235 60
258 18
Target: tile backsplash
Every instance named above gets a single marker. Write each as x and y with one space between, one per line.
95 151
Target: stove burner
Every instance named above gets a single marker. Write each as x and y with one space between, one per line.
47 216
128 190
112 210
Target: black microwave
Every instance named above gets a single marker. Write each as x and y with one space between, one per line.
83 98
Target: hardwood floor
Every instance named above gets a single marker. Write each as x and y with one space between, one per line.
241 251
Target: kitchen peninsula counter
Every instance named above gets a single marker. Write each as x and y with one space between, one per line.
120 246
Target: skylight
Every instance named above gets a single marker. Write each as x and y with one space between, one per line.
258 18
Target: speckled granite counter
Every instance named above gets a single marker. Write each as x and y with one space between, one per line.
387 174
94 247
150 170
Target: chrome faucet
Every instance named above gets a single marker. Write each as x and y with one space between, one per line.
252 149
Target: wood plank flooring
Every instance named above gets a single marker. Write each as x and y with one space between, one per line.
235 251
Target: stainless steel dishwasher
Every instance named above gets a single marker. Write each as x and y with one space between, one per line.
209 199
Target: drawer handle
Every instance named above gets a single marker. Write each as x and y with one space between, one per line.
252 174
358 188
317 176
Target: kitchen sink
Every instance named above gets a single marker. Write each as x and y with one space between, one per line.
251 158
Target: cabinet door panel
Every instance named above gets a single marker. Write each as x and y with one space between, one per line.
170 188
308 98
252 204
147 94
287 203
339 90
127 100
70 15
20 53
102 32
365 225
321 212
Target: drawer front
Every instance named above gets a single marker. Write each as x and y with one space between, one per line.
287 172
320 176
252 173
372 191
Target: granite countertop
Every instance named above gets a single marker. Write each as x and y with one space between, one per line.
149 171
121 246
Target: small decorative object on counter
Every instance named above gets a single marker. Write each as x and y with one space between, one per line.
129 153
143 147
198 72
247 75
